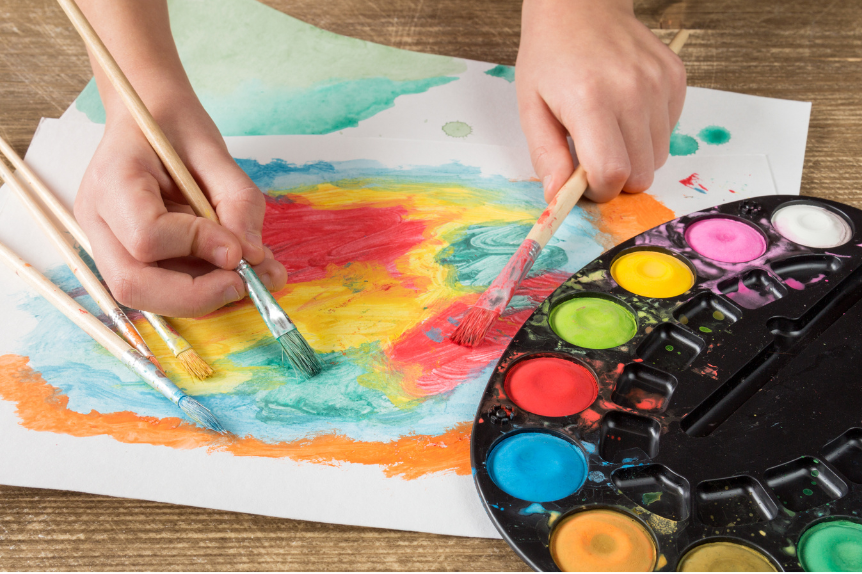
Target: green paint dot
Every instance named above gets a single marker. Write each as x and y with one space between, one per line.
683 319
834 546
650 497
682 144
705 329
457 129
593 323
807 491
815 472
505 72
669 348
718 315
714 135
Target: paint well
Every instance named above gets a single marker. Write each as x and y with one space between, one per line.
834 546
602 540
724 557
551 387
811 225
537 467
593 323
652 274
724 239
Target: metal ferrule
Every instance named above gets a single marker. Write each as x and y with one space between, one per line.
129 331
273 315
175 342
153 377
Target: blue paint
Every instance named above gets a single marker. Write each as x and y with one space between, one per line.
597 476
435 334
538 467
534 508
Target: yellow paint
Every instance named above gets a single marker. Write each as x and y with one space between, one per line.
724 557
602 540
652 274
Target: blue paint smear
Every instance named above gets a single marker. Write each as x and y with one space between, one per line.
435 334
534 508
537 467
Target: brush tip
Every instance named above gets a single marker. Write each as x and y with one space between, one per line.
195 365
474 327
200 414
156 362
300 354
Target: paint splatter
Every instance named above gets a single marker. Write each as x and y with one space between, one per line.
681 144
714 135
457 129
693 182
505 72
650 497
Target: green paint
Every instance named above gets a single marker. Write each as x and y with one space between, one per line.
714 135
681 144
718 315
650 497
254 82
505 72
834 546
815 473
593 323
683 319
669 348
457 129
807 491
705 329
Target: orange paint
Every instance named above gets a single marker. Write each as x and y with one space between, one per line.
42 407
629 214
602 540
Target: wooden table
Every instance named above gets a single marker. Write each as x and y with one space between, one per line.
796 49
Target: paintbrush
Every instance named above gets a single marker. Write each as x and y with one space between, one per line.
80 269
182 349
298 352
496 298
91 325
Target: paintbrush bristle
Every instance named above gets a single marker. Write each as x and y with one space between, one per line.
474 326
156 362
195 365
300 354
200 414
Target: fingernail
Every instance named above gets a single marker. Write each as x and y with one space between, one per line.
546 182
254 238
231 295
221 256
267 281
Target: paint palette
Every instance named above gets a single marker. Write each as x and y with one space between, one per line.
691 400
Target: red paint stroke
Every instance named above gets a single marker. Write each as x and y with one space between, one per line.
440 367
693 182
306 239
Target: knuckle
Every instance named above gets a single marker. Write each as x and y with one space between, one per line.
614 174
639 182
141 244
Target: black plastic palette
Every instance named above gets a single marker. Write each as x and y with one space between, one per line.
733 414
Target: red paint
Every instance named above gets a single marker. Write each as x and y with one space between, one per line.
306 239
693 181
551 387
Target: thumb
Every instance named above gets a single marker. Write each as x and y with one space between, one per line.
549 148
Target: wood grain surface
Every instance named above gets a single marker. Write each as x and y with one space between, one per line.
796 49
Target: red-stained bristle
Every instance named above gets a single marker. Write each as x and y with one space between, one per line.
155 361
474 327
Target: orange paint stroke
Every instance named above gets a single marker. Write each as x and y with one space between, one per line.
627 215
43 407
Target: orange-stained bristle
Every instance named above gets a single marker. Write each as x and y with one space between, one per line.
474 326
195 365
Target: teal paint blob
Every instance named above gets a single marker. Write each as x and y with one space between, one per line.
538 467
681 144
834 546
90 103
714 135
505 72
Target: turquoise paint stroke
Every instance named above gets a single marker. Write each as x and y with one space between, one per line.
505 72
681 144
714 135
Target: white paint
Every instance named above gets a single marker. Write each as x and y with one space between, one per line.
811 226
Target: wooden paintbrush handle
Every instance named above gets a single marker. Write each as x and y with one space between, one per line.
77 314
154 134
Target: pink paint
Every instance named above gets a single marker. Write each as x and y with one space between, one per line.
726 240
794 284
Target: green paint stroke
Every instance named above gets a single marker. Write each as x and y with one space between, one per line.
650 497
457 129
714 135
834 546
258 71
593 323
681 144
505 72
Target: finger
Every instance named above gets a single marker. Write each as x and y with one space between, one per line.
549 148
639 146
676 96
660 129
138 218
602 151
166 292
239 203
272 274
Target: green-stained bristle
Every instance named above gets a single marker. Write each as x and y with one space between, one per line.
300 354
200 414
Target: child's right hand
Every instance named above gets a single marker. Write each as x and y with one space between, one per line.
152 251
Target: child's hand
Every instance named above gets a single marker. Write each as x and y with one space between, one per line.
590 69
152 251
